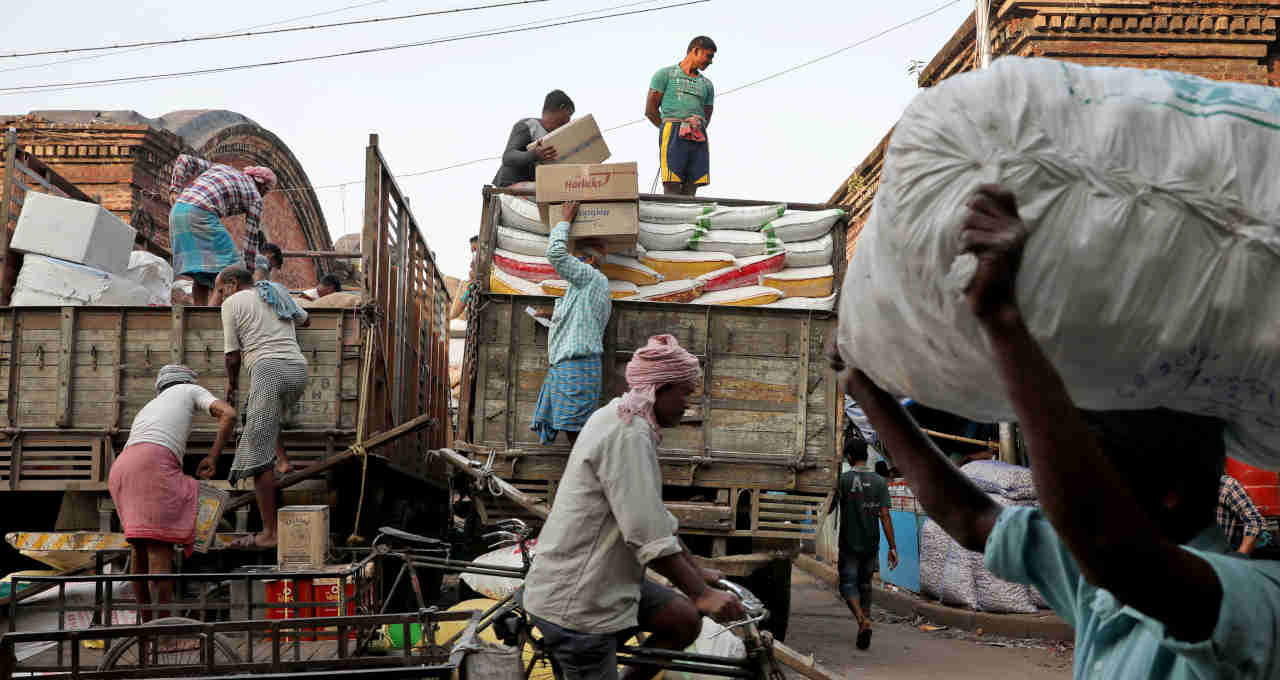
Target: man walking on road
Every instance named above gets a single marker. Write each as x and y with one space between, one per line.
519 163
862 497
679 104
258 330
575 343
1123 546
587 591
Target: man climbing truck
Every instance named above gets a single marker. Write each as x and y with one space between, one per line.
750 468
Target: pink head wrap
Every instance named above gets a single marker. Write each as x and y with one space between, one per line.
261 174
660 362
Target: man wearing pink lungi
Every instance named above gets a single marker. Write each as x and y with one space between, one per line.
155 501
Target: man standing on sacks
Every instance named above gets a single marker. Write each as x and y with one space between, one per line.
587 590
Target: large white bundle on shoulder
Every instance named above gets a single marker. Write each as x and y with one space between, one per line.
1151 271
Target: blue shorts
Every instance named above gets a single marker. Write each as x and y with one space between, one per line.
680 160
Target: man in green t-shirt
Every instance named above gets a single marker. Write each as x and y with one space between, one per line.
679 105
863 499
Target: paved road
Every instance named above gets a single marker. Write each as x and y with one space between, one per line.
822 625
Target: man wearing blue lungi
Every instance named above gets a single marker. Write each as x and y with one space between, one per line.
571 390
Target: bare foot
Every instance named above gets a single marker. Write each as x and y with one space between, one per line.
258 541
283 467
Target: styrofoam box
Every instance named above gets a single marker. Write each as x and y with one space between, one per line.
75 231
44 281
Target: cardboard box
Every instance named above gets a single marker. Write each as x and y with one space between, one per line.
615 223
75 231
607 182
303 537
578 141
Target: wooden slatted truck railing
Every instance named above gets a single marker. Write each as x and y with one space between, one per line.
73 378
750 471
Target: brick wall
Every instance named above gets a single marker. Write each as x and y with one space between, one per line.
127 166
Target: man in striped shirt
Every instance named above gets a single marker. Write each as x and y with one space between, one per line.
203 194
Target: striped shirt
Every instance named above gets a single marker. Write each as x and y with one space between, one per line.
580 317
1237 515
223 191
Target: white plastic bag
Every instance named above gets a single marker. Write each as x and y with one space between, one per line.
1150 275
498 587
154 274
713 640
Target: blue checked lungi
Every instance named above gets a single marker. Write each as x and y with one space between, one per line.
569 395
202 246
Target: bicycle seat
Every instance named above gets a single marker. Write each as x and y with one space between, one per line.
407 537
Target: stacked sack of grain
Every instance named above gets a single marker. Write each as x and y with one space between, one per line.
699 253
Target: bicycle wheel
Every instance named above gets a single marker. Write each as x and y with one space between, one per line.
172 651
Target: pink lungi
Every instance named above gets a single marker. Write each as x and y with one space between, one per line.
154 499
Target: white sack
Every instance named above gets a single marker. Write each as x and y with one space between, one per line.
44 281
498 587
747 218
522 214
674 213
153 273
1150 274
803 225
813 253
736 243
653 236
822 304
522 242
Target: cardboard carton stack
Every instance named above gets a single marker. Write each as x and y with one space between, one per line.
609 196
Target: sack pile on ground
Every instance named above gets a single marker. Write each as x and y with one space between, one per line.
959 577
700 253
1149 274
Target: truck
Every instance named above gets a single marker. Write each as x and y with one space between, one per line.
750 471
73 378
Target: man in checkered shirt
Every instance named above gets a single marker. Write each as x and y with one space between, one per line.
203 194
571 390
1238 517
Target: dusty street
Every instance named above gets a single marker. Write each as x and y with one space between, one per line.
822 625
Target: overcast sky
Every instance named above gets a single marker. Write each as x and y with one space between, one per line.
792 138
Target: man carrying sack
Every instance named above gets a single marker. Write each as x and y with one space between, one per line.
587 591
1124 546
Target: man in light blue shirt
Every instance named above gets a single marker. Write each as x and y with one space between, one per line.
571 390
1124 546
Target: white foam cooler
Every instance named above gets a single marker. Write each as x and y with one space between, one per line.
75 231
47 282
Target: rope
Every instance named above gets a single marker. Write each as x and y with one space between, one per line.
490 481
358 448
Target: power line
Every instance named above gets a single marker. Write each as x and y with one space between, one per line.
71 85
313 15
253 34
739 88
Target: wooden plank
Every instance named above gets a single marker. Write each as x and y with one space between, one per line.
15 334
513 354
802 392
8 269
66 346
702 515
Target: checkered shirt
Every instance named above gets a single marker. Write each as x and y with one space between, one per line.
577 326
223 191
1235 509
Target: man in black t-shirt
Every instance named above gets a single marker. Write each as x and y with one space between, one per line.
518 164
863 499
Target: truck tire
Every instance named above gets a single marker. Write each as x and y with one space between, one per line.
772 584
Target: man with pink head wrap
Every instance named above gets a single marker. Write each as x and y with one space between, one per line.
203 194
586 591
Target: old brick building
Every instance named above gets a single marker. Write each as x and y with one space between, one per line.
124 159
1225 40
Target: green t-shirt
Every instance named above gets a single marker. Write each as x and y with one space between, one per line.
860 496
682 96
